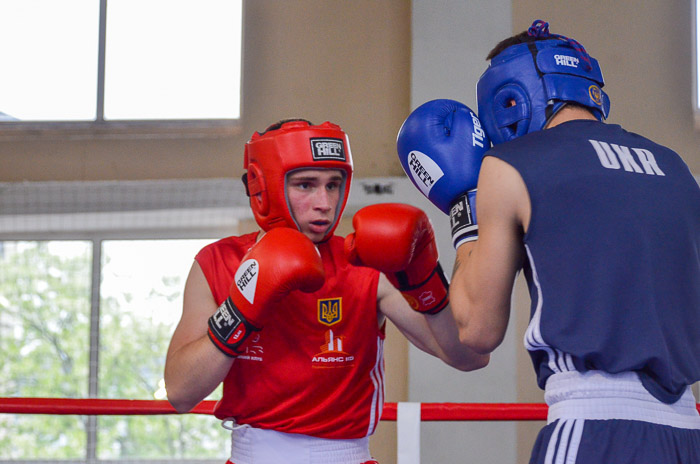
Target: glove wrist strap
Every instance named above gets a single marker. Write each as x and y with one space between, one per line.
229 329
430 296
463 219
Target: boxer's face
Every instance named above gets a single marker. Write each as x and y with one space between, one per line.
313 196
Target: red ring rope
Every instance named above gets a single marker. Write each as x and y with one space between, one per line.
429 411
92 406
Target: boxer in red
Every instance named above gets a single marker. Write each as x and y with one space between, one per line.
292 318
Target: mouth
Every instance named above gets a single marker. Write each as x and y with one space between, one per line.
320 226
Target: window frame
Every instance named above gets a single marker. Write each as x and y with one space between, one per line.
99 128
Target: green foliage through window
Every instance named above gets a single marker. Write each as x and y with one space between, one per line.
45 332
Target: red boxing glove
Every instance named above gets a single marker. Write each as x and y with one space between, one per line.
282 261
398 240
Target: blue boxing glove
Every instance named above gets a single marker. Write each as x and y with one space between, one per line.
440 146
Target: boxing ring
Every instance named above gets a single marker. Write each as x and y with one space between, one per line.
407 415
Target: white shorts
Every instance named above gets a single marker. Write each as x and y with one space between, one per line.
250 445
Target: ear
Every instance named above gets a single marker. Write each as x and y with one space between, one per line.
512 111
258 193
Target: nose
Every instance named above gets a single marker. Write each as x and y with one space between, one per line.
324 200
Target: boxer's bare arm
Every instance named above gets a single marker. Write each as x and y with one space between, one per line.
194 367
485 270
435 334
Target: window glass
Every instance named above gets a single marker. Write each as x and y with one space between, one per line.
141 303
48 50
173 59
45 313
44 341
163 60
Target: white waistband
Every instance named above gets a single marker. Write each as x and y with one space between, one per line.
598 395
250 445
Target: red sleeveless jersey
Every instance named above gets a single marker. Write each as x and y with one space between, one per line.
317 367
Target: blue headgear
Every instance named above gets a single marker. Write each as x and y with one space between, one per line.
540 77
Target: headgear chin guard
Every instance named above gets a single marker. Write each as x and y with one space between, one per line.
294 145
528 83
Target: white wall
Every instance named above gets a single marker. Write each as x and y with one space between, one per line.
450 40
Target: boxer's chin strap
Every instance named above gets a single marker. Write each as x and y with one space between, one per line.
244 179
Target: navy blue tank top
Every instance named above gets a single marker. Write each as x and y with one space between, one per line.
613 249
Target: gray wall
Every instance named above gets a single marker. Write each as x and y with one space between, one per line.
450 40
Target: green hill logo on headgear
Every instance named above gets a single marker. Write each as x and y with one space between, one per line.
327 149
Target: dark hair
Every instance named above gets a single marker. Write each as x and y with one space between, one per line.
540 31
522 37
282 122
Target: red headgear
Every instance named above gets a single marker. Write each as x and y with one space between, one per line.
295 144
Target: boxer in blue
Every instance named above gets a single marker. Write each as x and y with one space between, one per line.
605 225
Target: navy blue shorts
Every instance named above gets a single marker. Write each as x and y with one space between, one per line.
615 441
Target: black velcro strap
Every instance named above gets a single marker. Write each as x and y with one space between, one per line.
463 221
244 178
229 329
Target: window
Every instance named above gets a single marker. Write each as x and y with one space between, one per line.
91 281
120 60
50 332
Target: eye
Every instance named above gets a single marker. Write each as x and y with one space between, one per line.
302 184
